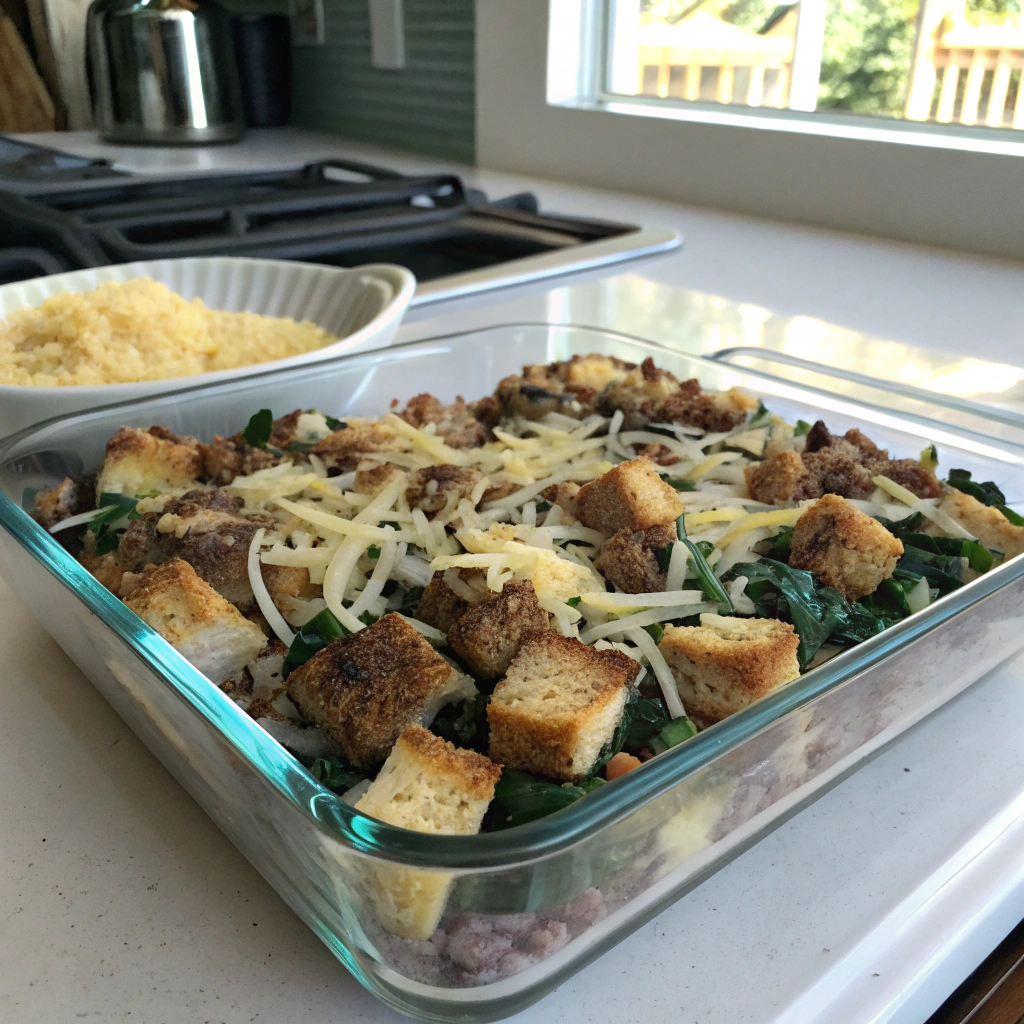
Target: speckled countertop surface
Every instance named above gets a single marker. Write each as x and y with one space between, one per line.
121 901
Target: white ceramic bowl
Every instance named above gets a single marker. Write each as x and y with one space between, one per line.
361 307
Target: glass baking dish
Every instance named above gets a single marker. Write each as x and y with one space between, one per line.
525 908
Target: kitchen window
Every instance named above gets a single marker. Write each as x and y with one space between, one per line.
866 115
950 62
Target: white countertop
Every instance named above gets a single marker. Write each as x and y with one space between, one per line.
121 901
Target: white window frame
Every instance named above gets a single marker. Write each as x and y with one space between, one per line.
951 186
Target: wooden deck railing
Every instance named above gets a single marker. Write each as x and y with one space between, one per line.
976 64
745 67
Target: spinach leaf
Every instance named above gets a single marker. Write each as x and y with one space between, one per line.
609 750
410 601
761 418
946 572
664 556
1014 517
649 718
520 797
335 773
987 493
815 613
901 528
653 428
782 544
802 427
706 578
257 430
681 484
118 507
655 631
979 556
314 636
336 424
464 723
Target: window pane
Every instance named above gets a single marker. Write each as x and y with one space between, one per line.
951 61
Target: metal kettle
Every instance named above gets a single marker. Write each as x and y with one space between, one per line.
163 72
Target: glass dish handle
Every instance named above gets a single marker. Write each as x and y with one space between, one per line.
984 422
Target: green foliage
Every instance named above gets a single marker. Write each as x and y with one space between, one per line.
865 65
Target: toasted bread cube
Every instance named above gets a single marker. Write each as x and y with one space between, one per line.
68 498
365 688
439 605
427 785
191 616
373 479
640 394
988 524
431 488
726 663
487 635
630 496
107 568
778 479
629 559
342 450
558 705
843 547
139 462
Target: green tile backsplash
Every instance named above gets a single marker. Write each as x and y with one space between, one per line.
428 107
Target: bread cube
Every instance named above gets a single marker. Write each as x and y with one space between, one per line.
692 406
429 785
726 663
365 688
139 462
778 479
629 559
191 616
439 605
487 635
342 450
988 524
640 394
843 547
431 488
200 529
558 705
374 479
68 498
426 785
107 568
630 496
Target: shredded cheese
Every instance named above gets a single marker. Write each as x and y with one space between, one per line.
710 463
266 604
781 517
659 666
944 522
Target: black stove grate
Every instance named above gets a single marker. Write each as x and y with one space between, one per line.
338 212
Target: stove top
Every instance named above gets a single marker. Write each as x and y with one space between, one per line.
62 213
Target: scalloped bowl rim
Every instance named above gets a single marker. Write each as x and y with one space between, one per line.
399 278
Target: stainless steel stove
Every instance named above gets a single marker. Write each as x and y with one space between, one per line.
61 212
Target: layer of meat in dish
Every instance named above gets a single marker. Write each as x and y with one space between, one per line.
471 615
